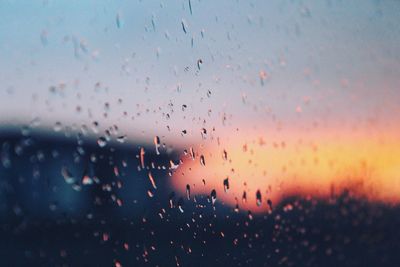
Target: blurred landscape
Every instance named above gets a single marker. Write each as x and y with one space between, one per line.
199 132
47 221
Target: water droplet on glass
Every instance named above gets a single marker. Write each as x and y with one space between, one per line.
184 27
171 198
202 160
142 152
95 126
288 207
153 23
188 191
76 187
57 126
68 177
190 8
226 185
153 183
102 142
203 133
258 198
86 180
121 139
173 166
236 209
192 154
263 76
150 193
180 204
269 202
43 37
105 236
118 20
199 63
157 144
244 197
225 155
213 196
250 215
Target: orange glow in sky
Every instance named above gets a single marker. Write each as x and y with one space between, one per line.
317 165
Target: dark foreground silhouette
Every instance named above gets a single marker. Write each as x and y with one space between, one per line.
51 216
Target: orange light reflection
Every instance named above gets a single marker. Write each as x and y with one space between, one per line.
316 167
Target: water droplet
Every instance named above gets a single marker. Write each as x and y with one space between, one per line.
116 171
250 215
57 126
263 76
225 155
258 198
171 198
199 63
142 152
192 154
157 144
153 23
86 180
173 166
95 127
269 202
76 187
150 193
236 209
102 142
288 207
226 185
184 27
118 20
153 183
203 133
188 191
68 177
121 139
202 160
244 197
213 196
180 204
190 7
43 37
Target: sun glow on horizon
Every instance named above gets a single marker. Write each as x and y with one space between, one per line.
305 166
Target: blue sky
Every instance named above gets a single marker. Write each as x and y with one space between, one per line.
341 55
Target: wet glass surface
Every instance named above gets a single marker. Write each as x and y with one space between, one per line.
193 132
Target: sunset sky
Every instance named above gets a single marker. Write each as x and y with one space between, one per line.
312 89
